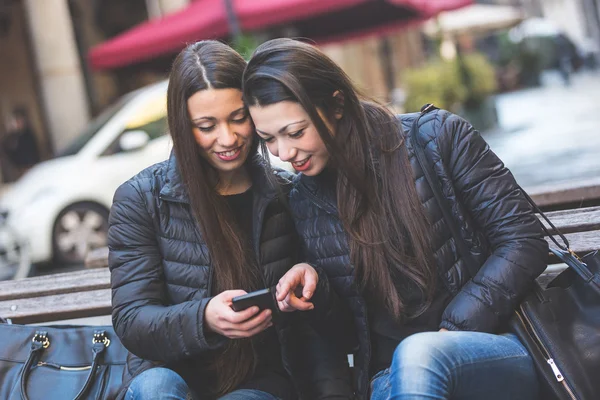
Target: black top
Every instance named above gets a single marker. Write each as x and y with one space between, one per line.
241 207
387 333
270 376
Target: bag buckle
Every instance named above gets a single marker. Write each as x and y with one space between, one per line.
100 337
41 337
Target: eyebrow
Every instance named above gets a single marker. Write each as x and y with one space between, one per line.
214 119
284 128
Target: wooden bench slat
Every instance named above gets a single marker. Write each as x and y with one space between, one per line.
87 293
47 285
568 221
566 193
57 307
581 242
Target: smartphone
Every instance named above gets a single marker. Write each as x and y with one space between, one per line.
261 298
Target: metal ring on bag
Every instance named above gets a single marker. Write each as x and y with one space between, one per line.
101 338
40 337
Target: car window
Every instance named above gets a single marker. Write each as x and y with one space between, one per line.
93 127
151 117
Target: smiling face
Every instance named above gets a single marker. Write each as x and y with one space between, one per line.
291 135
222 127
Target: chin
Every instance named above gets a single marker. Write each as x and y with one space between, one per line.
229 166
313 172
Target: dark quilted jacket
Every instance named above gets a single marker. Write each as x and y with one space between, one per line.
495 220
161 272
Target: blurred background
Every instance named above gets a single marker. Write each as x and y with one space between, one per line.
83 93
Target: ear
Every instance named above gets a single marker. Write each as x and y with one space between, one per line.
338 96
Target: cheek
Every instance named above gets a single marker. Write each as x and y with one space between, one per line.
272 146
315 143
246 130
203 140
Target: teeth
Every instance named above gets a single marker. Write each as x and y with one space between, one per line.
229 153
300 163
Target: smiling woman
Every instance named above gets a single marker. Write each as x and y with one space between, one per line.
223 131
291 135
428 326
188 235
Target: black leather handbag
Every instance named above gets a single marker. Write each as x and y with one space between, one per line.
60 362
559 324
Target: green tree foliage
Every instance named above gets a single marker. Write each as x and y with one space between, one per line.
453 85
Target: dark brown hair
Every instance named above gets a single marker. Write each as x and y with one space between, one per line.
201 66
376 194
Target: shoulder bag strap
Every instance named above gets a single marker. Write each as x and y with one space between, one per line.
434 183
564 253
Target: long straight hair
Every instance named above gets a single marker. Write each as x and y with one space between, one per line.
376 194
201 66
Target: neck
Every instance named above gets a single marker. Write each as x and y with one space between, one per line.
234 182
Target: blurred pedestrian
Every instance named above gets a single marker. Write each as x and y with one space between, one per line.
566 57
20 144
428 325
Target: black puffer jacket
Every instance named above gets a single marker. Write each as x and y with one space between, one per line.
161 272
495 219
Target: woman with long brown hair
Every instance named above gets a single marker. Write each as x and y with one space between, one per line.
426 328
189 234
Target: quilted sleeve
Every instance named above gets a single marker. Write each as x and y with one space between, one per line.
145 322
492 198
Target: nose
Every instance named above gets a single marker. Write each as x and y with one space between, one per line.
285 151
227 137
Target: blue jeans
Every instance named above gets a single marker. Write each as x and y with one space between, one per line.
165 384
458 366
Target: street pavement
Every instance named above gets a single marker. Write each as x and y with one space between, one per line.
550 134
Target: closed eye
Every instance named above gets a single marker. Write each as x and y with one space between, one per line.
297 134
206 129
267 139
241 120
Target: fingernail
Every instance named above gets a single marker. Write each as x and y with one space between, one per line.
308 294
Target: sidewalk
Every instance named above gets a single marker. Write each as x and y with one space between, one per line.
550 134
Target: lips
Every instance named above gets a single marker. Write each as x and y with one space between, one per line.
302 165
229 155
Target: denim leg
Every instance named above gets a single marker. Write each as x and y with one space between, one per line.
158 384
380 385
248 394
462 366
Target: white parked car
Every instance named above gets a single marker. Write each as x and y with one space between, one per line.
58 210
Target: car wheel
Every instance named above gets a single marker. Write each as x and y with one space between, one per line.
78 229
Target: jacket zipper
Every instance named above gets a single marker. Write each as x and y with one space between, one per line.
557 374
62 367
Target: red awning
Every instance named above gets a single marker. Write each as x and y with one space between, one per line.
321 20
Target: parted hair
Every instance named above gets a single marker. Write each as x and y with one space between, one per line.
377 200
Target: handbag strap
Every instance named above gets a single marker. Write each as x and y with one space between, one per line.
436 188
41 341
564 253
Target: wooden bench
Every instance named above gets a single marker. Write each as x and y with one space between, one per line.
568 195
87 293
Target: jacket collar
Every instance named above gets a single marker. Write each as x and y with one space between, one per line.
175 190
321 189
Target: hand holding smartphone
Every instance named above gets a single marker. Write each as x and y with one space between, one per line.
263 299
